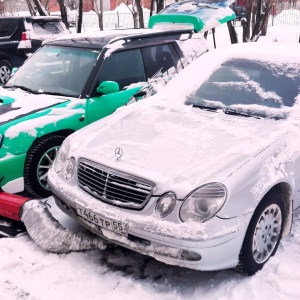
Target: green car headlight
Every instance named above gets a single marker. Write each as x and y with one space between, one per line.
62 156
203 203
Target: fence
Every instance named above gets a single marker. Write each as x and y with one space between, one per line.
284 13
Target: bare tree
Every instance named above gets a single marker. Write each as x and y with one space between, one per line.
31 9
79 20
134 14
140 13
63 12
99 12
40 8
160 4
257 15
72 4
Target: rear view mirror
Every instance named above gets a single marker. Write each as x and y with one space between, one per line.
108 87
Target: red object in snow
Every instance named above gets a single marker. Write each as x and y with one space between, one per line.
10 205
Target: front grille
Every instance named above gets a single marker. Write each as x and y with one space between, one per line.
112 186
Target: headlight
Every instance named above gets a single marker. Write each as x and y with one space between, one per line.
203 203
165 204
70 169
1 139
61 156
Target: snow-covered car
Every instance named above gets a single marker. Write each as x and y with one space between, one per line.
71 82
203 175
77 79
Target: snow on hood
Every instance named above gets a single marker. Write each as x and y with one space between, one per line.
176 148
15 103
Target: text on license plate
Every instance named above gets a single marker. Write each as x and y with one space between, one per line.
101 221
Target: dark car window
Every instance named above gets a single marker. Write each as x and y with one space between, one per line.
161 57
49 27
250 82
124 67
7 28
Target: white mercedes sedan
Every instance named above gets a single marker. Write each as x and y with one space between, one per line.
203 175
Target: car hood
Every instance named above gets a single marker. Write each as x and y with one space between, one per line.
176 148
17 103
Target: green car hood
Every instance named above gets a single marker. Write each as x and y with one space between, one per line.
15 104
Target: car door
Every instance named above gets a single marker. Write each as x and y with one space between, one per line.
124 67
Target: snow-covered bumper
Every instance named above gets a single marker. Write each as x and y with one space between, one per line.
211 245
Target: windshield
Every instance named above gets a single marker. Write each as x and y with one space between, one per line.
47 27
55 70
257 87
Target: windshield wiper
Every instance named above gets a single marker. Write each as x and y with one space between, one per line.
24 88
56 94
235 113
209 108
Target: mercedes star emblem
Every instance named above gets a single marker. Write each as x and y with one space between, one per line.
118 153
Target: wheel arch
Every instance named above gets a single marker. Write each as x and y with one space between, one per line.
4 56
286 192
64 132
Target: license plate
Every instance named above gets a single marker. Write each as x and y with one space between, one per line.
109 224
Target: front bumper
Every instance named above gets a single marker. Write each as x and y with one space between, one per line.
213 245
11 173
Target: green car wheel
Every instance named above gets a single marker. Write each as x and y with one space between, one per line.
39 159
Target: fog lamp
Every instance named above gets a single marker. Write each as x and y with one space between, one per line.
165 204
189 255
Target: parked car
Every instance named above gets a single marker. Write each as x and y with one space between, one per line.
74 81
240 11
21 36
203 175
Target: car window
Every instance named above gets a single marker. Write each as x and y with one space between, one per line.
124 67
48 27
55 69
192 48
250 82
161 57
7 28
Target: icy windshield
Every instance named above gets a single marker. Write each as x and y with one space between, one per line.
55 70
48 27
252 86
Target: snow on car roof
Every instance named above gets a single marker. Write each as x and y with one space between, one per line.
199 15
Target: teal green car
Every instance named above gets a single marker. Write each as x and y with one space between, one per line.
67 84
78 79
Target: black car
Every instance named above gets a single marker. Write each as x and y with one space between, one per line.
240 11
21 36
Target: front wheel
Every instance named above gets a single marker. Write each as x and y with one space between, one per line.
5 70
39 160
263 234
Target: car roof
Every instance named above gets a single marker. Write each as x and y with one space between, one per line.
96 40
33 18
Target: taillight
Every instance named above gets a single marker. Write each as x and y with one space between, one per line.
25 36
25 42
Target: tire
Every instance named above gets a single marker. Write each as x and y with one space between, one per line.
263 234
5 70
39 159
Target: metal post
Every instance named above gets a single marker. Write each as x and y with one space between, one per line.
213 32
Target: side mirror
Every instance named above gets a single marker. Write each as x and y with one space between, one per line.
108 87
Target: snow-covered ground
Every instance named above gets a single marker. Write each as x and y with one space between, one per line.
29 272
